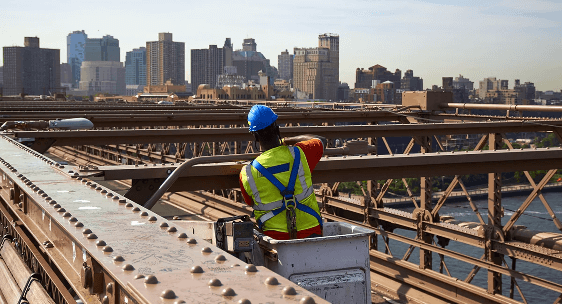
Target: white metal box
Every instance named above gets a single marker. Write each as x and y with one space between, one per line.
334 267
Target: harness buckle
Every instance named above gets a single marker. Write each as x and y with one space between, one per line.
290 203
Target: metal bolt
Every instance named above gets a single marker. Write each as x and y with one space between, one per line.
78 225
228 292
150 279
289 291
191 241
107 249
168 294
144 213
129 205
67 214
175 218
251 268
220 257
307 300
164 225
61 210
100 243
196 269
244 301
136 209
152 219
215 282
118 258
206 250
92 236
109 288
128 267
139 276
271 281
172 229
56 206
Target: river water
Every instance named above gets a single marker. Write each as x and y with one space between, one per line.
535 218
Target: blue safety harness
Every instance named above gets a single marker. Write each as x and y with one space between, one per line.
289 200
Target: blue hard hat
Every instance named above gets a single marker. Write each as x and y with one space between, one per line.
260 117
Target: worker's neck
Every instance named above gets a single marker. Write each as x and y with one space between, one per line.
270 145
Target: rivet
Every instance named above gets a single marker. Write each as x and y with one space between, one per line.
150 280
234 265
196 269
191 241
128 267
109 288
182 235
172 229
92 236
56 206
206 250
129 205
73 219
88 183
175 218
86 231
105 300
307 300
67 214
271 281
103 191
48 199
122 201
215 282
93 185
118 258
220 257
109 194
98 188
78 225
168 294
53 202
136 209
244 301
180 302
100 243
139 276
228 292
251 268
44 195
40 192
116 198
144 213
107 249
164 225
152 219
61 210
289 291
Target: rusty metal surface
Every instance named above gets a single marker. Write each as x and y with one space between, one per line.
108 137
352 168
136 235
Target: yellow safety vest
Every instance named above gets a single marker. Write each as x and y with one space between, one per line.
266 196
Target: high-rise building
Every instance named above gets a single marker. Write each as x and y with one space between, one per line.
316 70
102 77
66 75
165 61
411 83
463 83
491 84
75 46
208 64
1 76
364 78
102 49
31 69
249 62
135 67
527 90
285 65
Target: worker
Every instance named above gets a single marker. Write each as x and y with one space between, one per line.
278 184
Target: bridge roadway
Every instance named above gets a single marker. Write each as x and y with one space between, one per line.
130 253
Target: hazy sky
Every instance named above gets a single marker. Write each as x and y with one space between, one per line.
506 39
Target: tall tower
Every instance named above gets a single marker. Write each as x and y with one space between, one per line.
135 67
165 61
316 70
75 45
285 65
102 49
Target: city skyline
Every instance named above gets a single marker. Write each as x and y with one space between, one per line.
478 39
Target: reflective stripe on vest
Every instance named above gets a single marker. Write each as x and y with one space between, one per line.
286 191
306 191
